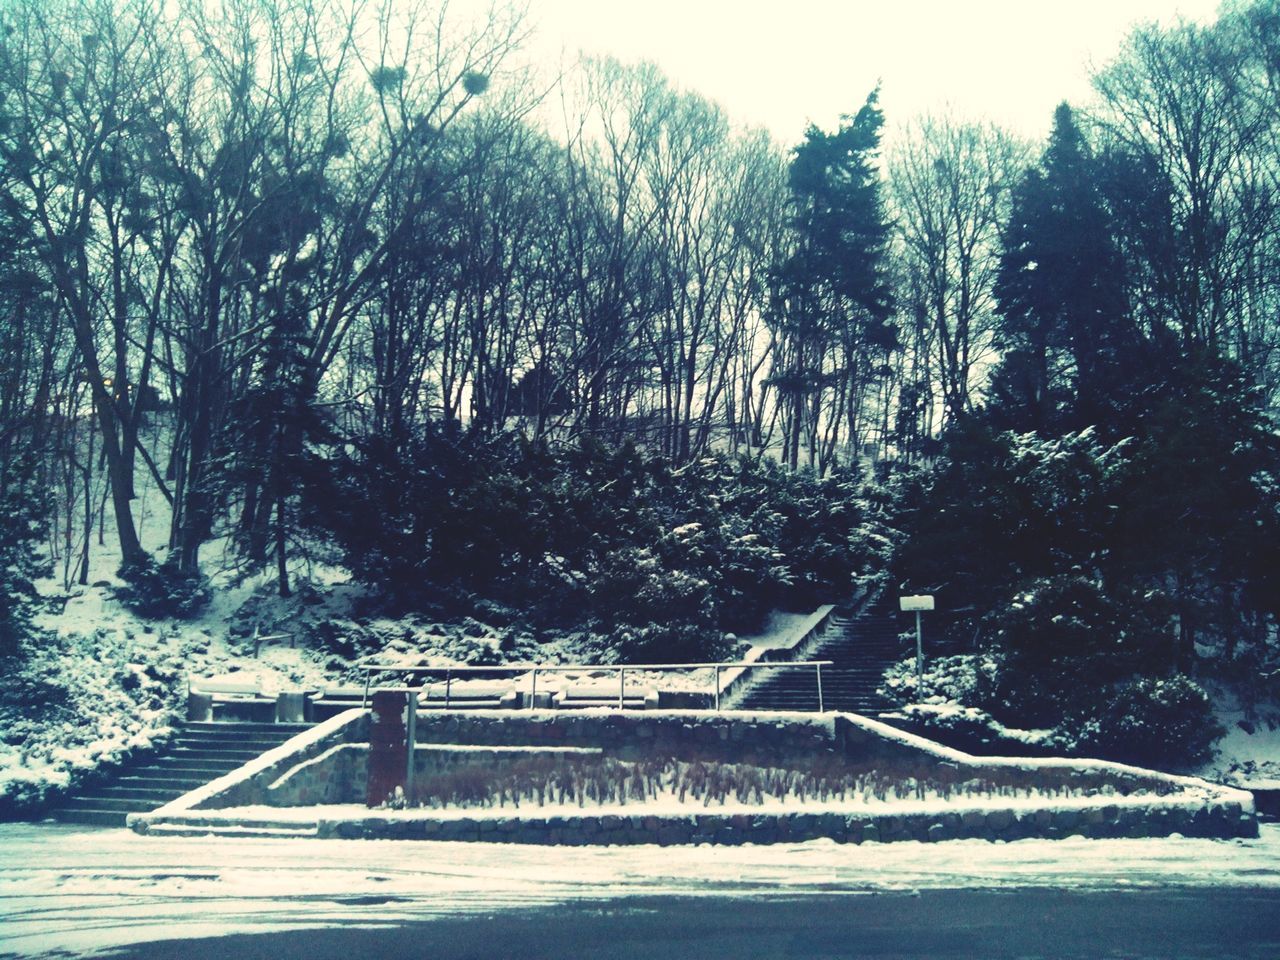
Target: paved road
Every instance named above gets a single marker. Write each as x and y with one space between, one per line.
69 891
932 924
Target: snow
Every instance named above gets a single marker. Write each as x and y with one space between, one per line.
102 647
86 891
1245 758
782 629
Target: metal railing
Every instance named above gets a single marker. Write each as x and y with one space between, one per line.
533 669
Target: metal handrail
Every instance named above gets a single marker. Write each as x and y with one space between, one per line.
621 669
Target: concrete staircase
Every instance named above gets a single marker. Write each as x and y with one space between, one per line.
198 753
861 647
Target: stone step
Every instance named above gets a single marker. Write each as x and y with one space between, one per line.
90 816
184 775
233 830
160 781
156 794
235 728
192 766
199 753
862 648
206 741
183 753
124 804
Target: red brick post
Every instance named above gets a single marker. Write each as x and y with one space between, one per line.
388 745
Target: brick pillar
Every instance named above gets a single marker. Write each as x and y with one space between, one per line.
388 745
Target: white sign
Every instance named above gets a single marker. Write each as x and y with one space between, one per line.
923 602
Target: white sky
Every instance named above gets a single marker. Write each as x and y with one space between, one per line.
782 63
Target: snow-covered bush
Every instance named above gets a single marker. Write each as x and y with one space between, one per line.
1155 721
1052 619
162 591
980 703
976 731
969 679
22 513
613 542
75 702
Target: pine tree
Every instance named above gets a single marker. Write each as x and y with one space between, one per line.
833 302
1064 324
23 510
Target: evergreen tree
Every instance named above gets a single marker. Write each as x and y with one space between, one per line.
23 509
1064 324
833 300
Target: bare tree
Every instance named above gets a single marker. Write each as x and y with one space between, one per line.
950 183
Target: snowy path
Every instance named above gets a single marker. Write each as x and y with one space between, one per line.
64 888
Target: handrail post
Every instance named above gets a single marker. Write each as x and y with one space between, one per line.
819 666
364 701
533 691
622 688
448 683
717 688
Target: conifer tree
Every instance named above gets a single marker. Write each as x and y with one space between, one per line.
1064 315
833 301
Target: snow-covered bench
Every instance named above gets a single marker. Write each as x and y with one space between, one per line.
603 694
330 701
229 699
433 695
468 695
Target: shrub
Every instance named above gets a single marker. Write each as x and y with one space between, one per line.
968 679
22 524
76 702
661 642
1053 619
157 591
975 731
1150 721
662 559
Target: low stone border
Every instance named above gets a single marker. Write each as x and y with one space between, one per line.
1222 821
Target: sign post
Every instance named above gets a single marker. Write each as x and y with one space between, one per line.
918 604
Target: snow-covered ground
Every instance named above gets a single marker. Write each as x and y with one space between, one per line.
1248 755
85 891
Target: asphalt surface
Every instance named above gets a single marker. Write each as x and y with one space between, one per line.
1029 923
74 892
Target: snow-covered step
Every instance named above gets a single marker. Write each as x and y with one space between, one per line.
161 781
264 830
122 804
235 730
216 754
92 817
156 794
860 650
198 754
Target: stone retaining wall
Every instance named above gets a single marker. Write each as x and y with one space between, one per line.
338 774
777 740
